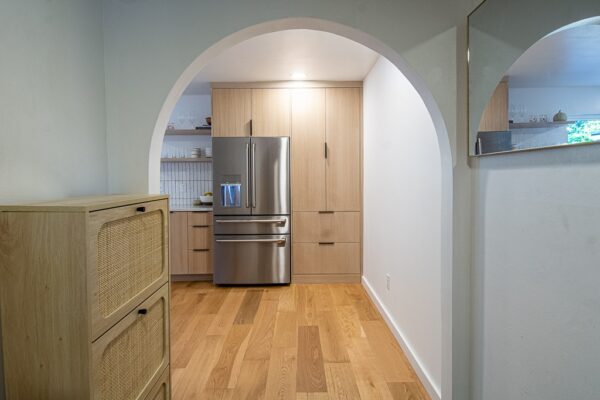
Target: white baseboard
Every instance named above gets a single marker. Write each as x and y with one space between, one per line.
423 376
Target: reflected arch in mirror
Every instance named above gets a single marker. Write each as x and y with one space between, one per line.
515 46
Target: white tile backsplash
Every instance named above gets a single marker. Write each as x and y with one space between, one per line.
185 182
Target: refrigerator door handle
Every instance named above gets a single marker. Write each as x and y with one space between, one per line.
253 175
247 174
281 241
251 221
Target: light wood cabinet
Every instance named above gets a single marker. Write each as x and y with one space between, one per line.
326 258
250 112
343 131
326 227
178 243
193 243
231 112
308 150
84 297
495 115
270 112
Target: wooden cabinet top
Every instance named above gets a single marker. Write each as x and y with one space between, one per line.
84 204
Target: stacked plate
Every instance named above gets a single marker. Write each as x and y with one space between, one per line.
197 152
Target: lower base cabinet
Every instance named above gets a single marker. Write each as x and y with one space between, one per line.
129 358
191 243
326 258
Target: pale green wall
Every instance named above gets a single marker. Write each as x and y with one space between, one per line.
52 125
52 119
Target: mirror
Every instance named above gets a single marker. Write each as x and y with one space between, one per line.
534 75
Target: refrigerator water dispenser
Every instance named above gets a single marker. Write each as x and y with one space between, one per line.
231 195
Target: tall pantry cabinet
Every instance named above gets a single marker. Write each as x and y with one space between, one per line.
324 121
326 184
84 298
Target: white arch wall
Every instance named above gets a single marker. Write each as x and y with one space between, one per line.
402 216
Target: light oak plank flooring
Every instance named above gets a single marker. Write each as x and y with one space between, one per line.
291 342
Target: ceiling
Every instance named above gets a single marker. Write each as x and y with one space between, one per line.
569 57
275 56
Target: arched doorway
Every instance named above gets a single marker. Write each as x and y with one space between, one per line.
425 96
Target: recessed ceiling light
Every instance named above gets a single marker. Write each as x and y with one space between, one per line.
298 75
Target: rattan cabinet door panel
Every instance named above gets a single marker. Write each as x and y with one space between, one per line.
128 259
130 358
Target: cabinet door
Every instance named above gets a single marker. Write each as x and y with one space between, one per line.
343 135
270 112
326 227
178 250
495 115
231 112
129 359
128 259
326 258
308 150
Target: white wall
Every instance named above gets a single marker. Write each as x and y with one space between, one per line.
402 213
52 115
536 273
198 106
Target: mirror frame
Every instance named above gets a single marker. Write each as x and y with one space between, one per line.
517 13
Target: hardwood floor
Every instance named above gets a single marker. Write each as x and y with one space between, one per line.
291 342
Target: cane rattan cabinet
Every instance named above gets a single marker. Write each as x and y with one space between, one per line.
84 298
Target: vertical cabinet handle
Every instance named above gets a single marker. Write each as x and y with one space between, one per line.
325 149
251 127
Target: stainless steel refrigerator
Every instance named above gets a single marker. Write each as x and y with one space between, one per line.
251 208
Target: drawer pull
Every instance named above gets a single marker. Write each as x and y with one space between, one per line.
201 249
326 212
326 243
141 209
200 226
143 311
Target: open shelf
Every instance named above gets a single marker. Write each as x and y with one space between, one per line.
547 124
176 160
203 131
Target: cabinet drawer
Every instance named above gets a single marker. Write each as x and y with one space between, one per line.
334 258
199 237
326 227
200 218
128 360
128 259
200 262
162 389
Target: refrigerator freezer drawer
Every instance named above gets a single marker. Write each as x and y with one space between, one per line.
251 259
252 225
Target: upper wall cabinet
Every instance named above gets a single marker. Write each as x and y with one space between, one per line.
308 150
251 112
270 112
343 158
231 112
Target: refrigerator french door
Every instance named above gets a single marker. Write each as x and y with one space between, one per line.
251 210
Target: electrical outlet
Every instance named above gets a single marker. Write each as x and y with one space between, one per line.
388 281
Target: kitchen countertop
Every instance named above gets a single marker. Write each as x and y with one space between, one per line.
194 208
